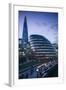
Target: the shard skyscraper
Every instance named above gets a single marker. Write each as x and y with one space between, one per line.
25 33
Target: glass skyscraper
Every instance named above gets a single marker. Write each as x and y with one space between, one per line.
25 33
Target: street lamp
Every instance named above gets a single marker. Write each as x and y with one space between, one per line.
37 70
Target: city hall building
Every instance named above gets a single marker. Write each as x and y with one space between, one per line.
43 49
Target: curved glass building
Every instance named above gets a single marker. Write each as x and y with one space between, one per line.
43 49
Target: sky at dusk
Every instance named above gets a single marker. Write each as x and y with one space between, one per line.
41 23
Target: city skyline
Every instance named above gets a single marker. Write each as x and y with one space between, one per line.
41 23
38 55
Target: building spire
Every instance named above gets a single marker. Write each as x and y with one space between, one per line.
25 33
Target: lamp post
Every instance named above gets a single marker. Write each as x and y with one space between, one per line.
37 70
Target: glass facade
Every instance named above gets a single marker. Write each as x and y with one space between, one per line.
25 33
42 48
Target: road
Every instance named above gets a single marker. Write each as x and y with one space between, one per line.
34 73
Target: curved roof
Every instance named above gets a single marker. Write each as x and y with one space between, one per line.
41 46
39 37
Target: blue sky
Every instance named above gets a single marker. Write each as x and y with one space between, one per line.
42 23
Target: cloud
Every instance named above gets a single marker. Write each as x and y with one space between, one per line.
45 24
42 24
54 26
